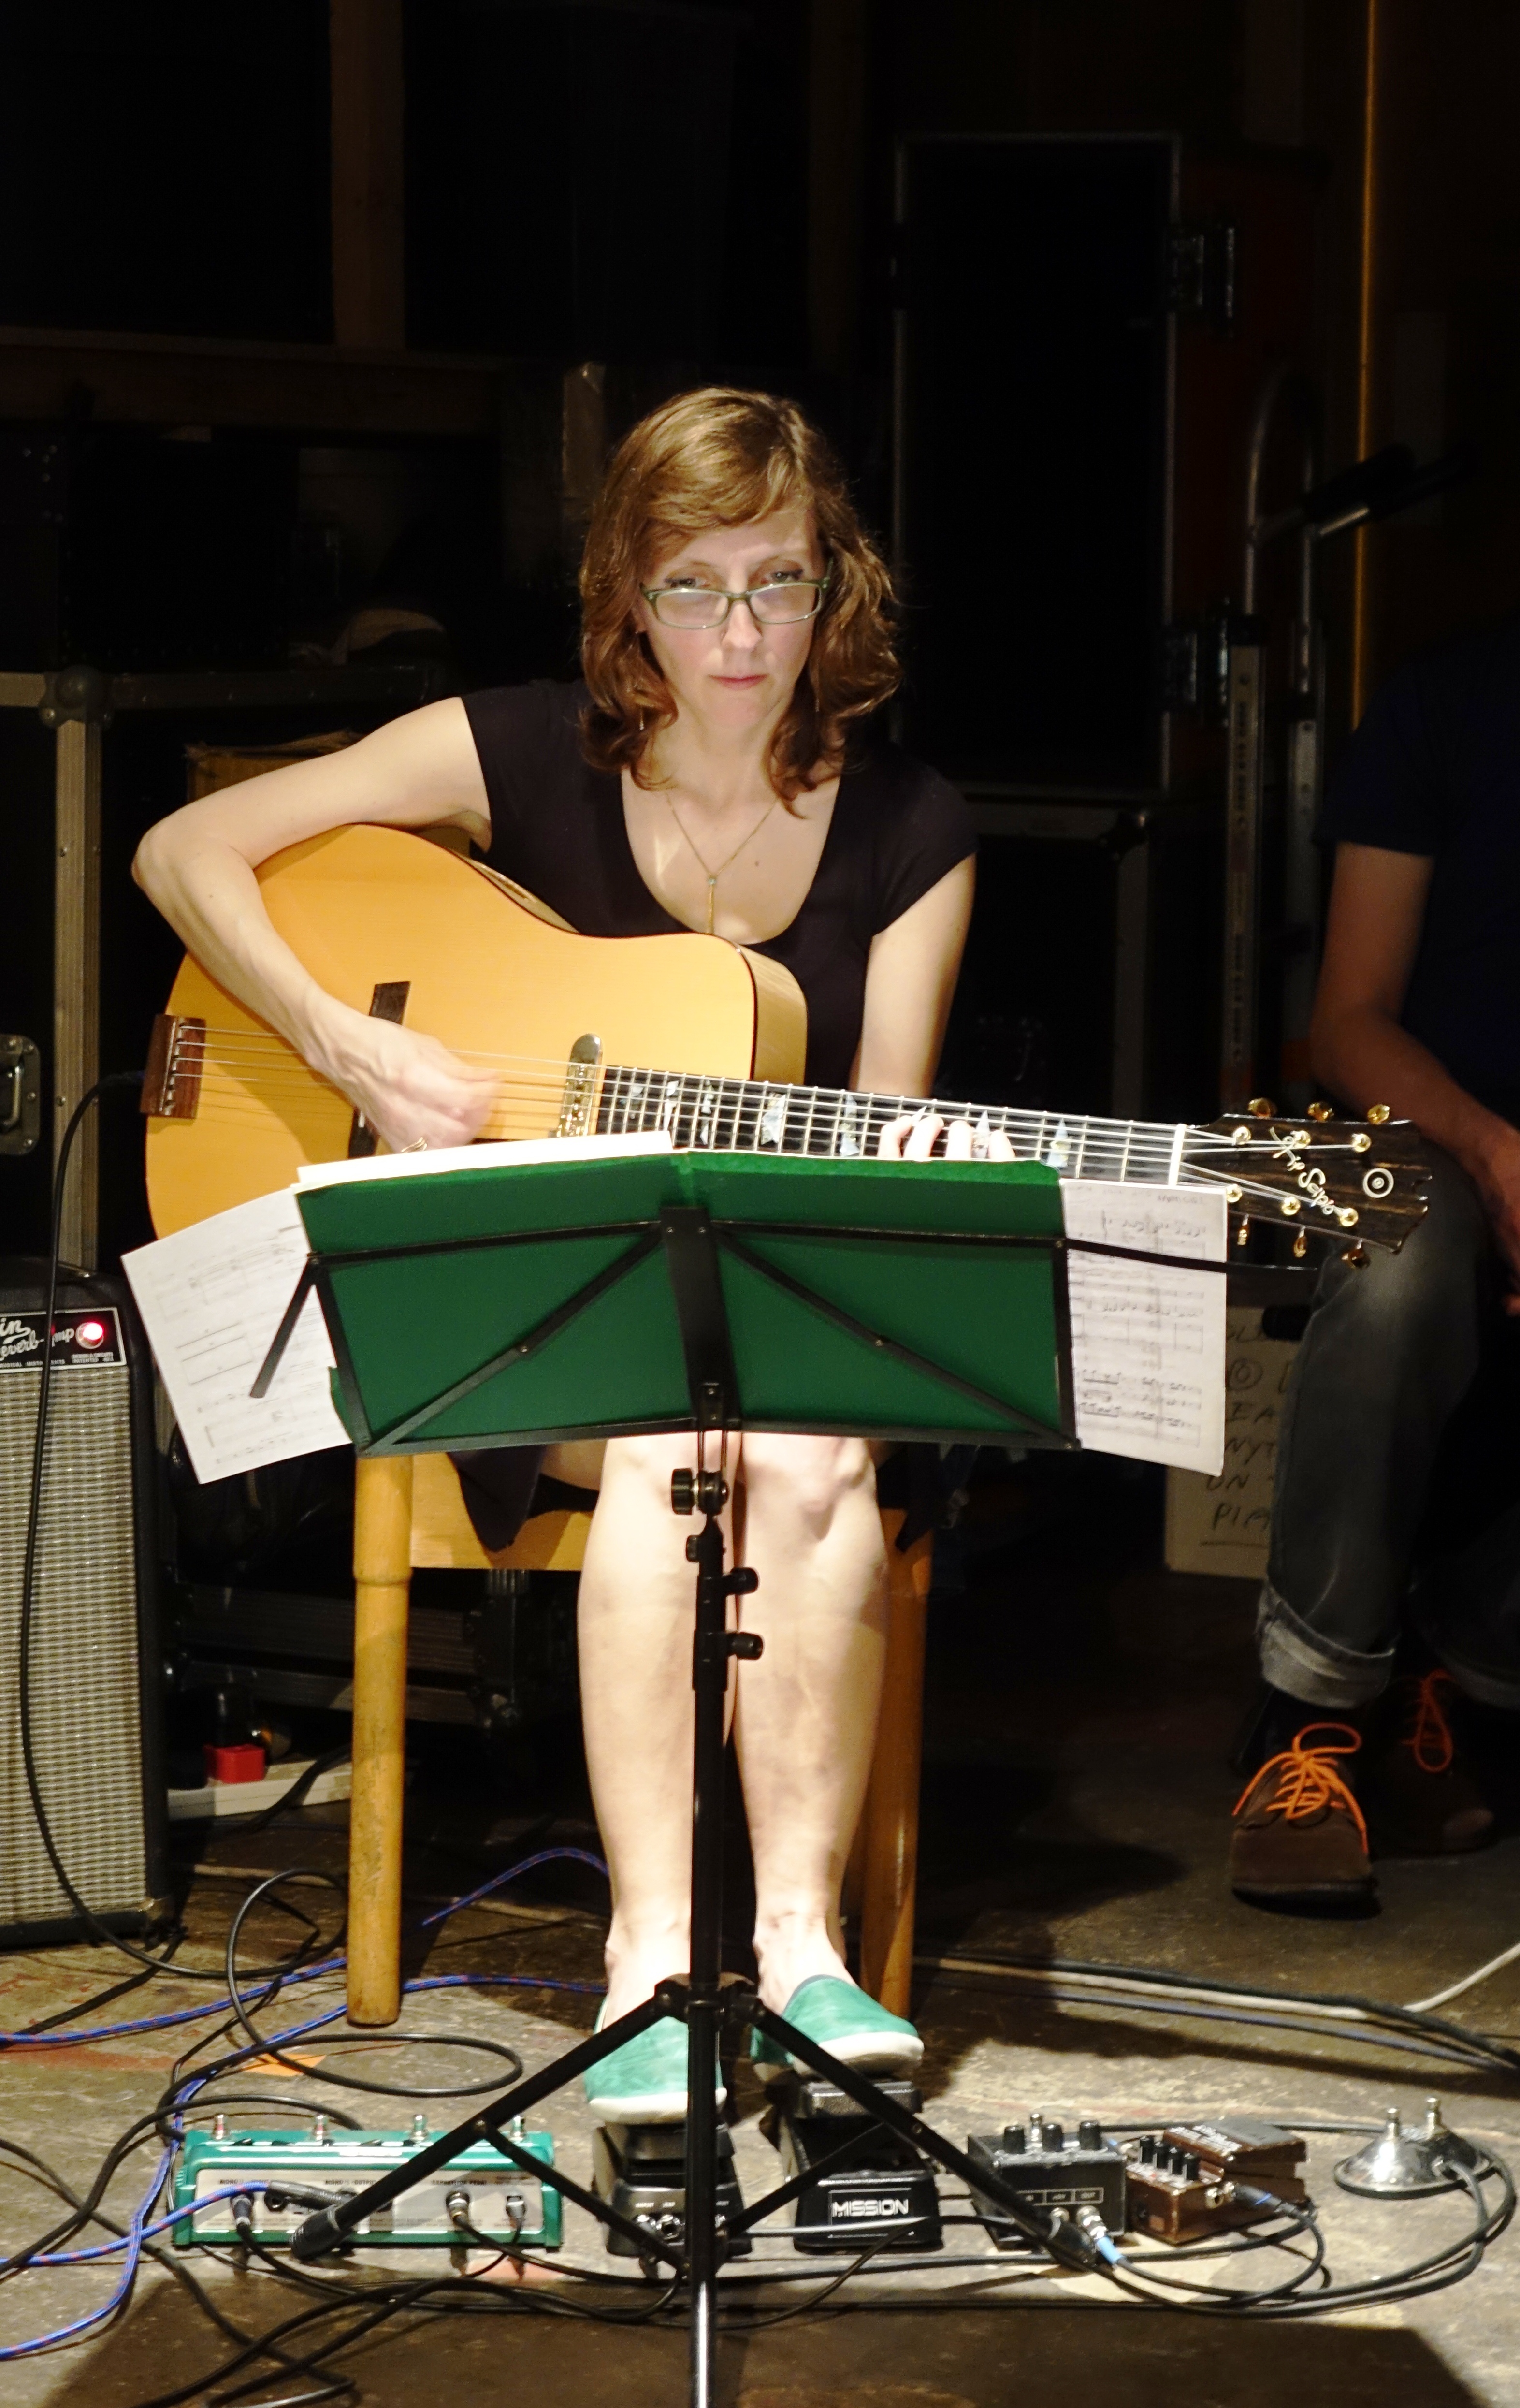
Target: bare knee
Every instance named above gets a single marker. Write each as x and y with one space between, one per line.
810 1480
648 1461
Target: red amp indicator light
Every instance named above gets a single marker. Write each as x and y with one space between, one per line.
90 1333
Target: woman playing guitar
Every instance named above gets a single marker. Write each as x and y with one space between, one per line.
702 777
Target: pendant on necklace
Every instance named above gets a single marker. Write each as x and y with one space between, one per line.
712 905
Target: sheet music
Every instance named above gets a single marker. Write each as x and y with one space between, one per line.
1148 1344
498 1156
211 1297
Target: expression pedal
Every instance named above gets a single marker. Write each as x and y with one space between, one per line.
298 2172
865 2187
640 2170
1049 2168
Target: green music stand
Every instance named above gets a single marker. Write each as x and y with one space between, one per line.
710 1293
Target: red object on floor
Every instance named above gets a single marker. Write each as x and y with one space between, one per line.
247 1762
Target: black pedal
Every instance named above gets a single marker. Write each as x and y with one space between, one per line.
640 2170
1050 2169
871 2190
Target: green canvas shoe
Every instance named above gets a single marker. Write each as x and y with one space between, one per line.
643 2082
846 2021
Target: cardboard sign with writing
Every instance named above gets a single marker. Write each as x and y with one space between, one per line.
1219 1522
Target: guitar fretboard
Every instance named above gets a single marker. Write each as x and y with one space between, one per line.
754 1116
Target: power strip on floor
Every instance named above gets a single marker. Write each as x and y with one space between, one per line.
221 1799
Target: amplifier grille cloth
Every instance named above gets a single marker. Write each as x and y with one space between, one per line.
84 1675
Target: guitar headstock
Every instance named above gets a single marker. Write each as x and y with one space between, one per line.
1353 1180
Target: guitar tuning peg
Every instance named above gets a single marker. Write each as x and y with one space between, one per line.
1244 1233
1261 1108
1357 1257
1301 1245
1321 1112
1378 1113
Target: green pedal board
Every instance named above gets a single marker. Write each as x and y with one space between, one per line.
298 2172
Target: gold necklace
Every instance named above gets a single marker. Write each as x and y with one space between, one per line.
712 876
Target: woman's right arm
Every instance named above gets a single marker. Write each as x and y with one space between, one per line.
198 868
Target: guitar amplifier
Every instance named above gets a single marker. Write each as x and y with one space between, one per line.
94 1676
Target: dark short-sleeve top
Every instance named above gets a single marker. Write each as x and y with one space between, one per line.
1434 770
557 828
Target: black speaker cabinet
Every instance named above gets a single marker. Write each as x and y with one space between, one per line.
95 1673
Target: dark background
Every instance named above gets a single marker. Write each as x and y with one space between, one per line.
310 307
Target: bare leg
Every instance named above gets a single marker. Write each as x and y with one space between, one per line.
806 1718
805 1715
637 1594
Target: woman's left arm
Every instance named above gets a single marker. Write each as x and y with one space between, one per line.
910 981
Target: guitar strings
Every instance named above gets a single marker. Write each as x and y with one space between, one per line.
1154 1136
263 1062
525 1126
555 1071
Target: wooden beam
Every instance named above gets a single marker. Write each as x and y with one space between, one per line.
835 172
176 380
369 310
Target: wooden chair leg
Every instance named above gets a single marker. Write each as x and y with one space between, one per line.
382 1583
891 1819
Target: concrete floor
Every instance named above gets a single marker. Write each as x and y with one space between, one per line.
1077 1803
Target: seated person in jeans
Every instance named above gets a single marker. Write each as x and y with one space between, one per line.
1418 1008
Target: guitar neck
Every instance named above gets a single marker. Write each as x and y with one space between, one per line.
754 1116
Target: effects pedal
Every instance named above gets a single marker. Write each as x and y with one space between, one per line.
298 2172
865 2188
1181 2181
1050 2169
640 2170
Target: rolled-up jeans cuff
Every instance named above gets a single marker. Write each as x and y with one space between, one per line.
1297 1659
1485 1688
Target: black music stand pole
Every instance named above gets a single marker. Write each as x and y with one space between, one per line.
691 1246
691 1260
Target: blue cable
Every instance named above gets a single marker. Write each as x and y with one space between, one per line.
331 1964
139 2229
499 1880
133 2244
176 2215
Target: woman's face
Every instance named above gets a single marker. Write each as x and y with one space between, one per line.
741 674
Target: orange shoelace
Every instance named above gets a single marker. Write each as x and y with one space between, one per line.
1310 1777
1428 1738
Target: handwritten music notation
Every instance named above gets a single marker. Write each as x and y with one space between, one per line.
1148 1343
211 1297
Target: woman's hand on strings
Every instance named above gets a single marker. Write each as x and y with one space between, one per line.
912 1137
408 1087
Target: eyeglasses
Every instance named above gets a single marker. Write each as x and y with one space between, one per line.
695 607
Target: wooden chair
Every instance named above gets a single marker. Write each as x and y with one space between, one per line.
409 1512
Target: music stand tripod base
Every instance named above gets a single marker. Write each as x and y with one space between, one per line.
396 1258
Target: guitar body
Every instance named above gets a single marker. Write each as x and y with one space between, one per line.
486 972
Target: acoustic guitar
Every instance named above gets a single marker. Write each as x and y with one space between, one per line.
604 1035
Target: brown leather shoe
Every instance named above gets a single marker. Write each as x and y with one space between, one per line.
1421 1798
1299 1829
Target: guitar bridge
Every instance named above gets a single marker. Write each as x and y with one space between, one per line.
388 1002
580 1096
171 1083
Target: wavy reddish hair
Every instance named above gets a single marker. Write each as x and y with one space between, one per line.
722 457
